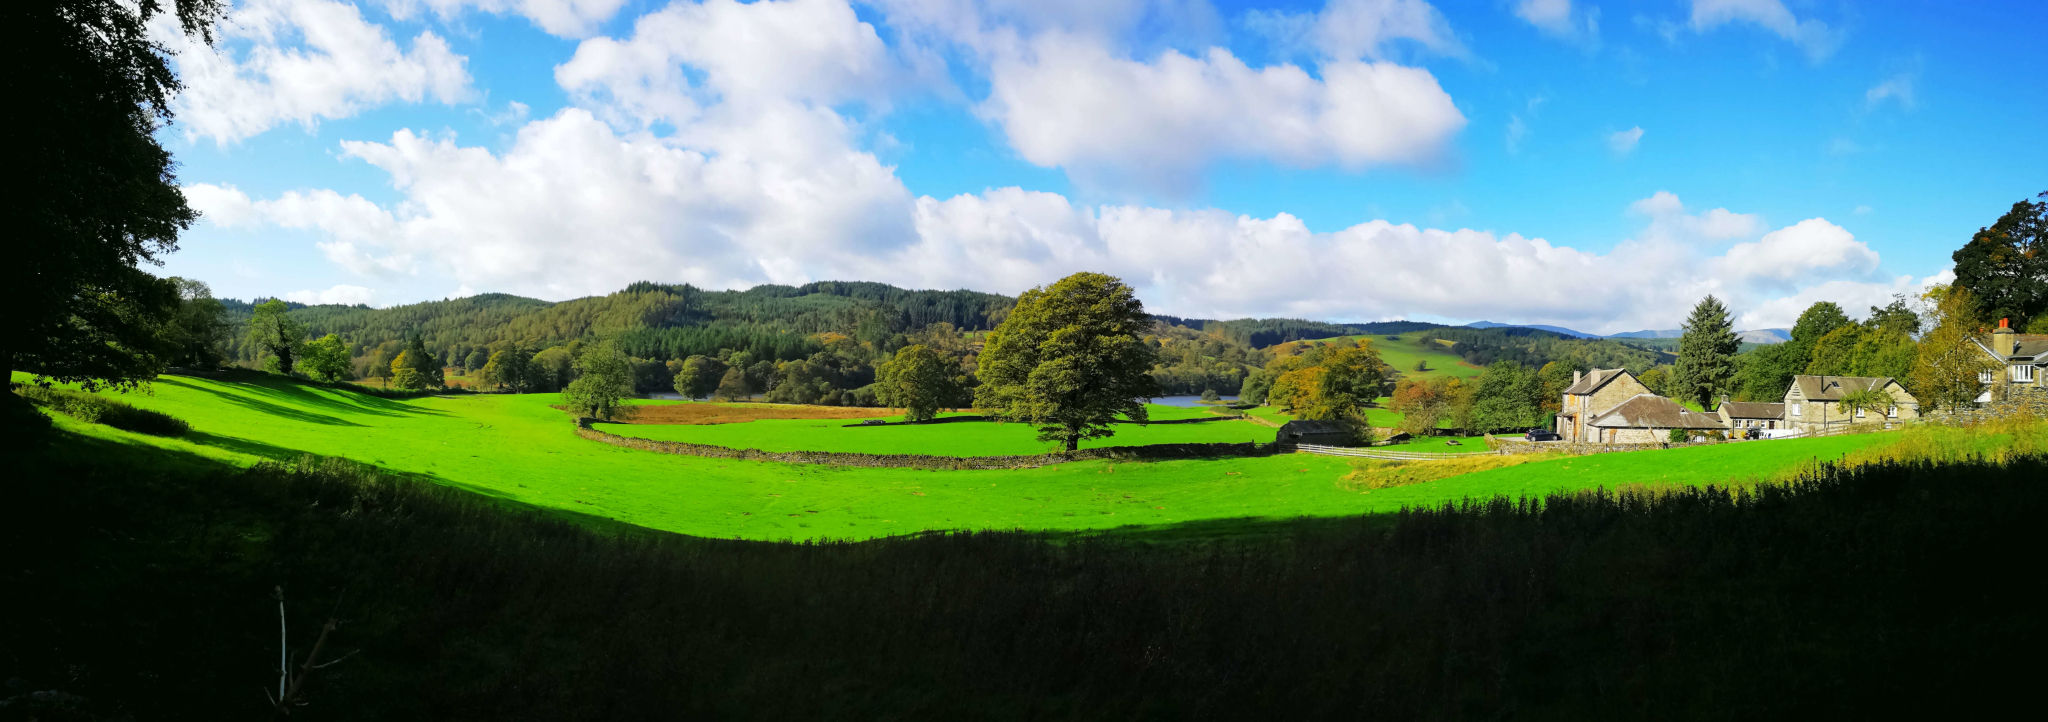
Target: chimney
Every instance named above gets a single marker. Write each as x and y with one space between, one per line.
2003 340
1576 375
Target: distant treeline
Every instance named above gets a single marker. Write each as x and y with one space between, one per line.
1268 332
1883 592
1535 348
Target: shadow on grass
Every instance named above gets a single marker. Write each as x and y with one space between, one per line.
259 405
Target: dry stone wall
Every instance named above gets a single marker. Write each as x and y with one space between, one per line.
1152 452
2018 401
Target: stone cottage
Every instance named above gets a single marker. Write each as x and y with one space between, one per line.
1592 394
1740 415
1814 403
2022 356
1312 431
1648 419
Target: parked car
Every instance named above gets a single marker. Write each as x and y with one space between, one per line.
1542 435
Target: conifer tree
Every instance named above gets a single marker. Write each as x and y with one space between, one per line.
1706 354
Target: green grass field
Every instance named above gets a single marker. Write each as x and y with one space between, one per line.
972 438
1402 355
518 449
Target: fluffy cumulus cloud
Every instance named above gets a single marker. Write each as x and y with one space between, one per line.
304 61
1157 123
693 154
1815 37
1069 90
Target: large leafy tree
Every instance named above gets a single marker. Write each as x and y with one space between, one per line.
2005 266
101 198
1069 360
511 368
1506 397
1706 354
198 332
699 376
1950 363
276 335
919 380
1345 381
605 384
326 358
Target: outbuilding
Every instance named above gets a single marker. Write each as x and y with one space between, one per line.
1752 414
1315 431
1649 419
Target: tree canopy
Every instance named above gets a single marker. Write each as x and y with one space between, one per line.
103 200
2005 265
605 384
1068 360
919 380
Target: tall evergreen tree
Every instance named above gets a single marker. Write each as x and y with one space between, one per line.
1706 354
101 198
1068 360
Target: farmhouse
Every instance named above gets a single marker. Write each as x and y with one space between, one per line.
1751 414
2022 355
1312 431
1648 419
1592 394
1814 403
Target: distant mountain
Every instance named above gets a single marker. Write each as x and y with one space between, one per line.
1539 327
1761 335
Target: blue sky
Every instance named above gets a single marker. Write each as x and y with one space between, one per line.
1594 165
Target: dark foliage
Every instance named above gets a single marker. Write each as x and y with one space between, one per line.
1533 348
97 409
100 197
1884 592
1265 332
2006 264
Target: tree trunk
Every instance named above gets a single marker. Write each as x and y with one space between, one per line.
1073 439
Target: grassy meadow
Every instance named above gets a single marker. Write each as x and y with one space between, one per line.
518 449
1403 352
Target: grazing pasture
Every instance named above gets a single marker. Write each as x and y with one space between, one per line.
699 412
1403 352
519 450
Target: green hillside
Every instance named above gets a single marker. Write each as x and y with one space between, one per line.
1403 351
517 449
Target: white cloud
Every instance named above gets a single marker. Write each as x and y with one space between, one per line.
1561 19
304 61
1813 36
565 18
343 294
1624 142
1354 29
809 51
1897 88
1670 222
739 171
1157 124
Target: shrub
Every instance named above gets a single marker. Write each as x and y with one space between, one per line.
96 409
1678 436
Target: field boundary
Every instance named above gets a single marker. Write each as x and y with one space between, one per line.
1149 452
1387 455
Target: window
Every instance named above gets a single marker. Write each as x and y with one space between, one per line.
1985 377
2022 373
1859 413
1795 409
1892 412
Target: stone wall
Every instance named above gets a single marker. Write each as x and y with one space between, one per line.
1518 446
1152 452
2017 401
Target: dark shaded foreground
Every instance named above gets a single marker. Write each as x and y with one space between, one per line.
139 583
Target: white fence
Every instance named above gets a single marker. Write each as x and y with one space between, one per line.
1386 455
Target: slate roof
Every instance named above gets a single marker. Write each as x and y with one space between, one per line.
1650 411
1833 388
2031 345
1751 410
1314 426
1593 380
